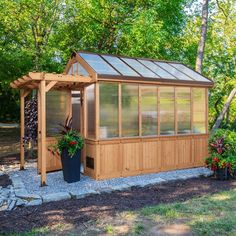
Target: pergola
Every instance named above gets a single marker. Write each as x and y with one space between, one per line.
43 83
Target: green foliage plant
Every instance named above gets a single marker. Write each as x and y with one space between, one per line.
222 149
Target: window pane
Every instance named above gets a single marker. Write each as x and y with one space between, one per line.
194 75
139 67
167 110
120 66
57 111
130 123
173 71
199 110
183 110
70 71
98 64
82 71
157 69
75 68
108 94
90 90
149 110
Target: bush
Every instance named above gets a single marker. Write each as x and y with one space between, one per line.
222 149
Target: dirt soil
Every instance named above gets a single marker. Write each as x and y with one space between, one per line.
104 206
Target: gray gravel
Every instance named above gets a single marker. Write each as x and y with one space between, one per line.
26 191
56 183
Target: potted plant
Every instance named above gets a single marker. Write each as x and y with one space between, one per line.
69 145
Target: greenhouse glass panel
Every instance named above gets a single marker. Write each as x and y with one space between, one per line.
82 71
199 110
90 90
179 75
141 69
157 69
194 75
75 68
57 111
167 110
149 110
98 64
129 103
120 66
108 97
75 100
183 98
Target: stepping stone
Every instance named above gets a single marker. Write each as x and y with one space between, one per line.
56 196
81 193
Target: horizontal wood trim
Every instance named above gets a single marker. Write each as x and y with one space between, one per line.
154 81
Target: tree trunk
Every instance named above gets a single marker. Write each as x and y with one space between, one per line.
202 41
224 110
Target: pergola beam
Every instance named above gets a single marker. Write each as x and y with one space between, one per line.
50 85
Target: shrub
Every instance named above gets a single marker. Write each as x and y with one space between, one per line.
222 149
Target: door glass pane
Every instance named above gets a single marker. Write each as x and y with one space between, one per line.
167 110
129 102
75 100
183 110
57 110
90 90
199 110
149 110
108 95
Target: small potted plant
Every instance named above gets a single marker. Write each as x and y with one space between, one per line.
69 145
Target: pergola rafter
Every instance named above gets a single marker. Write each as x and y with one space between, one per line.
44 82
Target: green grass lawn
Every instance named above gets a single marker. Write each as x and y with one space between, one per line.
209 215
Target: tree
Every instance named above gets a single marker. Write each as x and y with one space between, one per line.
202 41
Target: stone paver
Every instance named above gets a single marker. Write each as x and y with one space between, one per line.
56 196
26 191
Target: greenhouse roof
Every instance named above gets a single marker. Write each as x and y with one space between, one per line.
127 68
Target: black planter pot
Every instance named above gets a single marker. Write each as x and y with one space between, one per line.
71 166
222 174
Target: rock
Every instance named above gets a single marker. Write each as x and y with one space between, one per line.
5 193
18 184
120 187
20 192
21 202
81 193
28 196
56 196
11 205
35 202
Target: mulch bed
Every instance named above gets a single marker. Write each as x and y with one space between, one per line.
104 206
5 181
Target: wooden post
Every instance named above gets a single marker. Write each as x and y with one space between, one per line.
22 129
43 132
97 112
39 131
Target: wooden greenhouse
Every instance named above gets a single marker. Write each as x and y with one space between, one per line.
137 115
